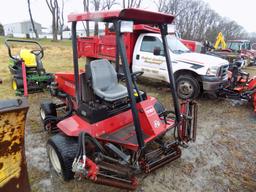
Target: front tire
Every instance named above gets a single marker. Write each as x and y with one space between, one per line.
46 109
187 87
61 151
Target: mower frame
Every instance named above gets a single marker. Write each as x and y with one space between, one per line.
124 141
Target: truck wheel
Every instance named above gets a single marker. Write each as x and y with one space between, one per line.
61 151
187 87
47 108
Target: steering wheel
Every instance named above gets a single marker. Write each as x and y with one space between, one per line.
136 74
36 52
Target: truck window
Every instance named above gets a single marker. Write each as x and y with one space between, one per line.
149 43
248 46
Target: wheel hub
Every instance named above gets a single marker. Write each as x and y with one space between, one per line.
54 159
185 88
14 85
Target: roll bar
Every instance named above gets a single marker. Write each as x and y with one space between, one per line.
159 19
8 45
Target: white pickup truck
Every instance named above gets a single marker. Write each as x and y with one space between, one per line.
194 72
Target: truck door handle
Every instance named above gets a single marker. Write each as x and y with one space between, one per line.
138 57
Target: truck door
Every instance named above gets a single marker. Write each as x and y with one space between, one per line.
144 59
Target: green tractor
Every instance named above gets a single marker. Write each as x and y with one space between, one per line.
28 73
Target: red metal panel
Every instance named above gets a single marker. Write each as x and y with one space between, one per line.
189 44
66 82
252 83
150 122
107 47
88 47
73 125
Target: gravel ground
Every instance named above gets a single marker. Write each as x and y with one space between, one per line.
223 158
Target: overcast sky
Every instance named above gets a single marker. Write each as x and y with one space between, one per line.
243 12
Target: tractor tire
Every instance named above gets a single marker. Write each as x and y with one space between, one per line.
187 87
17 84
61 151
46 109
159 108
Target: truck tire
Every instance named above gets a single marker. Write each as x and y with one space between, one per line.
187 87
61 151
47 108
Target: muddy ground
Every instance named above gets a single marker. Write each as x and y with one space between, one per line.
223 158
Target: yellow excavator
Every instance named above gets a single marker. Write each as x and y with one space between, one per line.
220 40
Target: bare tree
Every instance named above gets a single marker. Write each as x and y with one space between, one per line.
61 19
195 20
86 4
32 20
161 5
1 30
108 4
132 3
96 4
54 9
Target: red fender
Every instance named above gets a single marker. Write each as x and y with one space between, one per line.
252 83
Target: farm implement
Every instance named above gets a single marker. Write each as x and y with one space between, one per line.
111 132
240 87
28 73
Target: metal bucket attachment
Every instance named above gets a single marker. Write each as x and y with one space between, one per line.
13 167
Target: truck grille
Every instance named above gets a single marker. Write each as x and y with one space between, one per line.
223 72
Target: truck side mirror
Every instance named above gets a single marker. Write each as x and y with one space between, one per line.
157 51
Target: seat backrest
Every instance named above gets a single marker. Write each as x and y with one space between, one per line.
103 74
28 57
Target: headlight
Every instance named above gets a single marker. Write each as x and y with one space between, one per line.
212 70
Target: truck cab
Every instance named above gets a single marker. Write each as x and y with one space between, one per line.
244 47
194 72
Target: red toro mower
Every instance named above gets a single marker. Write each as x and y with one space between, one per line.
110 132
241 87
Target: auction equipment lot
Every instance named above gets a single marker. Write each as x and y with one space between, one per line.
222 158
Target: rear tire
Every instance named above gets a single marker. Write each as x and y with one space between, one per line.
187 87
61 151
